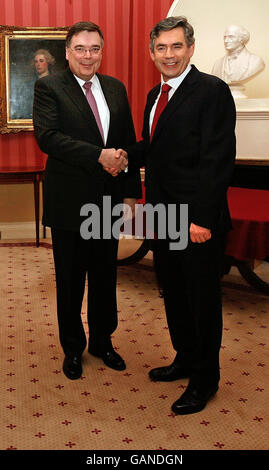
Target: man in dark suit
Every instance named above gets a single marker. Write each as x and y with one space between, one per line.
189 159
80 118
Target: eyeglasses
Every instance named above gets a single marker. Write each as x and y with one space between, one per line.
81 50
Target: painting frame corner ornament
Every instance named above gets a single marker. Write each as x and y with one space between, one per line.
26 54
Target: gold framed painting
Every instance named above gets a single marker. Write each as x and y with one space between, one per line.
26 54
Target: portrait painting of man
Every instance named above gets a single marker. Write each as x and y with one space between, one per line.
30 59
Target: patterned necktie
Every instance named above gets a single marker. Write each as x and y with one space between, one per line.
93 105
162 102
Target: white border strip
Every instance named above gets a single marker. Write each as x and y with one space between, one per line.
172 8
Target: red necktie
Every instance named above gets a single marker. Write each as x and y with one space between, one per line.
162 102
93 105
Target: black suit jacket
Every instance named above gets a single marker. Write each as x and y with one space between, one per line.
191 156
65 129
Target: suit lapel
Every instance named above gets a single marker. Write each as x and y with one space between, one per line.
150 102
109 93
74 92
180 95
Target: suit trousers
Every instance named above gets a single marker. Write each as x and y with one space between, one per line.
77 260
192 295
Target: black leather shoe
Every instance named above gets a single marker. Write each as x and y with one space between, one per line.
168 373
193 400
72 367
110 358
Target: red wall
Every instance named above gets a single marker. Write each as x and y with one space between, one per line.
126 25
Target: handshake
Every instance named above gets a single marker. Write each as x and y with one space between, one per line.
114 161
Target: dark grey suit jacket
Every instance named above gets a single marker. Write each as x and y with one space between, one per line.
65 129
191 157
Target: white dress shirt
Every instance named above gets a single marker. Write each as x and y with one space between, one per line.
174 84
98 94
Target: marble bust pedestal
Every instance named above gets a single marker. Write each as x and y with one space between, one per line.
238 91
252 130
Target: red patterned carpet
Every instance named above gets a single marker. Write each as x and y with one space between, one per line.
105 409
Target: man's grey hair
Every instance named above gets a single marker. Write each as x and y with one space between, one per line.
49 58
171 23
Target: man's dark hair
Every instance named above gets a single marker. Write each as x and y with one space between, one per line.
83 26
171 23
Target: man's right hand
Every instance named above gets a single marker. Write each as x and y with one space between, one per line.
113 161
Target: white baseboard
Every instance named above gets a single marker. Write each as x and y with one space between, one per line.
19 230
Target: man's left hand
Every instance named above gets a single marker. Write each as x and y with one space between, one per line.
199 234
120 153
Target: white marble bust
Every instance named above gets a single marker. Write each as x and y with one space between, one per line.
238 65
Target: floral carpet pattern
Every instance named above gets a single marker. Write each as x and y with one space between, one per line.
106 409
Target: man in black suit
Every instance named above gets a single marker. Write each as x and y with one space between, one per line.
80 141
189 159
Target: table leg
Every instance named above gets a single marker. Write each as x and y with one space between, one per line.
246 271
36 196
251 277
137 256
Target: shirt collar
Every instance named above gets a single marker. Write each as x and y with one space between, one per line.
81 82
175 82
